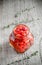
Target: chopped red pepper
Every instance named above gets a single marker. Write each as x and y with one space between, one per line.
20 31
21 39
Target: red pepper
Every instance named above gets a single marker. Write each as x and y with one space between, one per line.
21 39
20 31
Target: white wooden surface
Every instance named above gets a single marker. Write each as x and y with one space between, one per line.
7 11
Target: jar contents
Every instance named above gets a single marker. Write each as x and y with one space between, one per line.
21 38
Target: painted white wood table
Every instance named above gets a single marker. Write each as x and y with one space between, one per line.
13 12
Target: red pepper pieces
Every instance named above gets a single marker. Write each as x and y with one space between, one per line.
21 38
